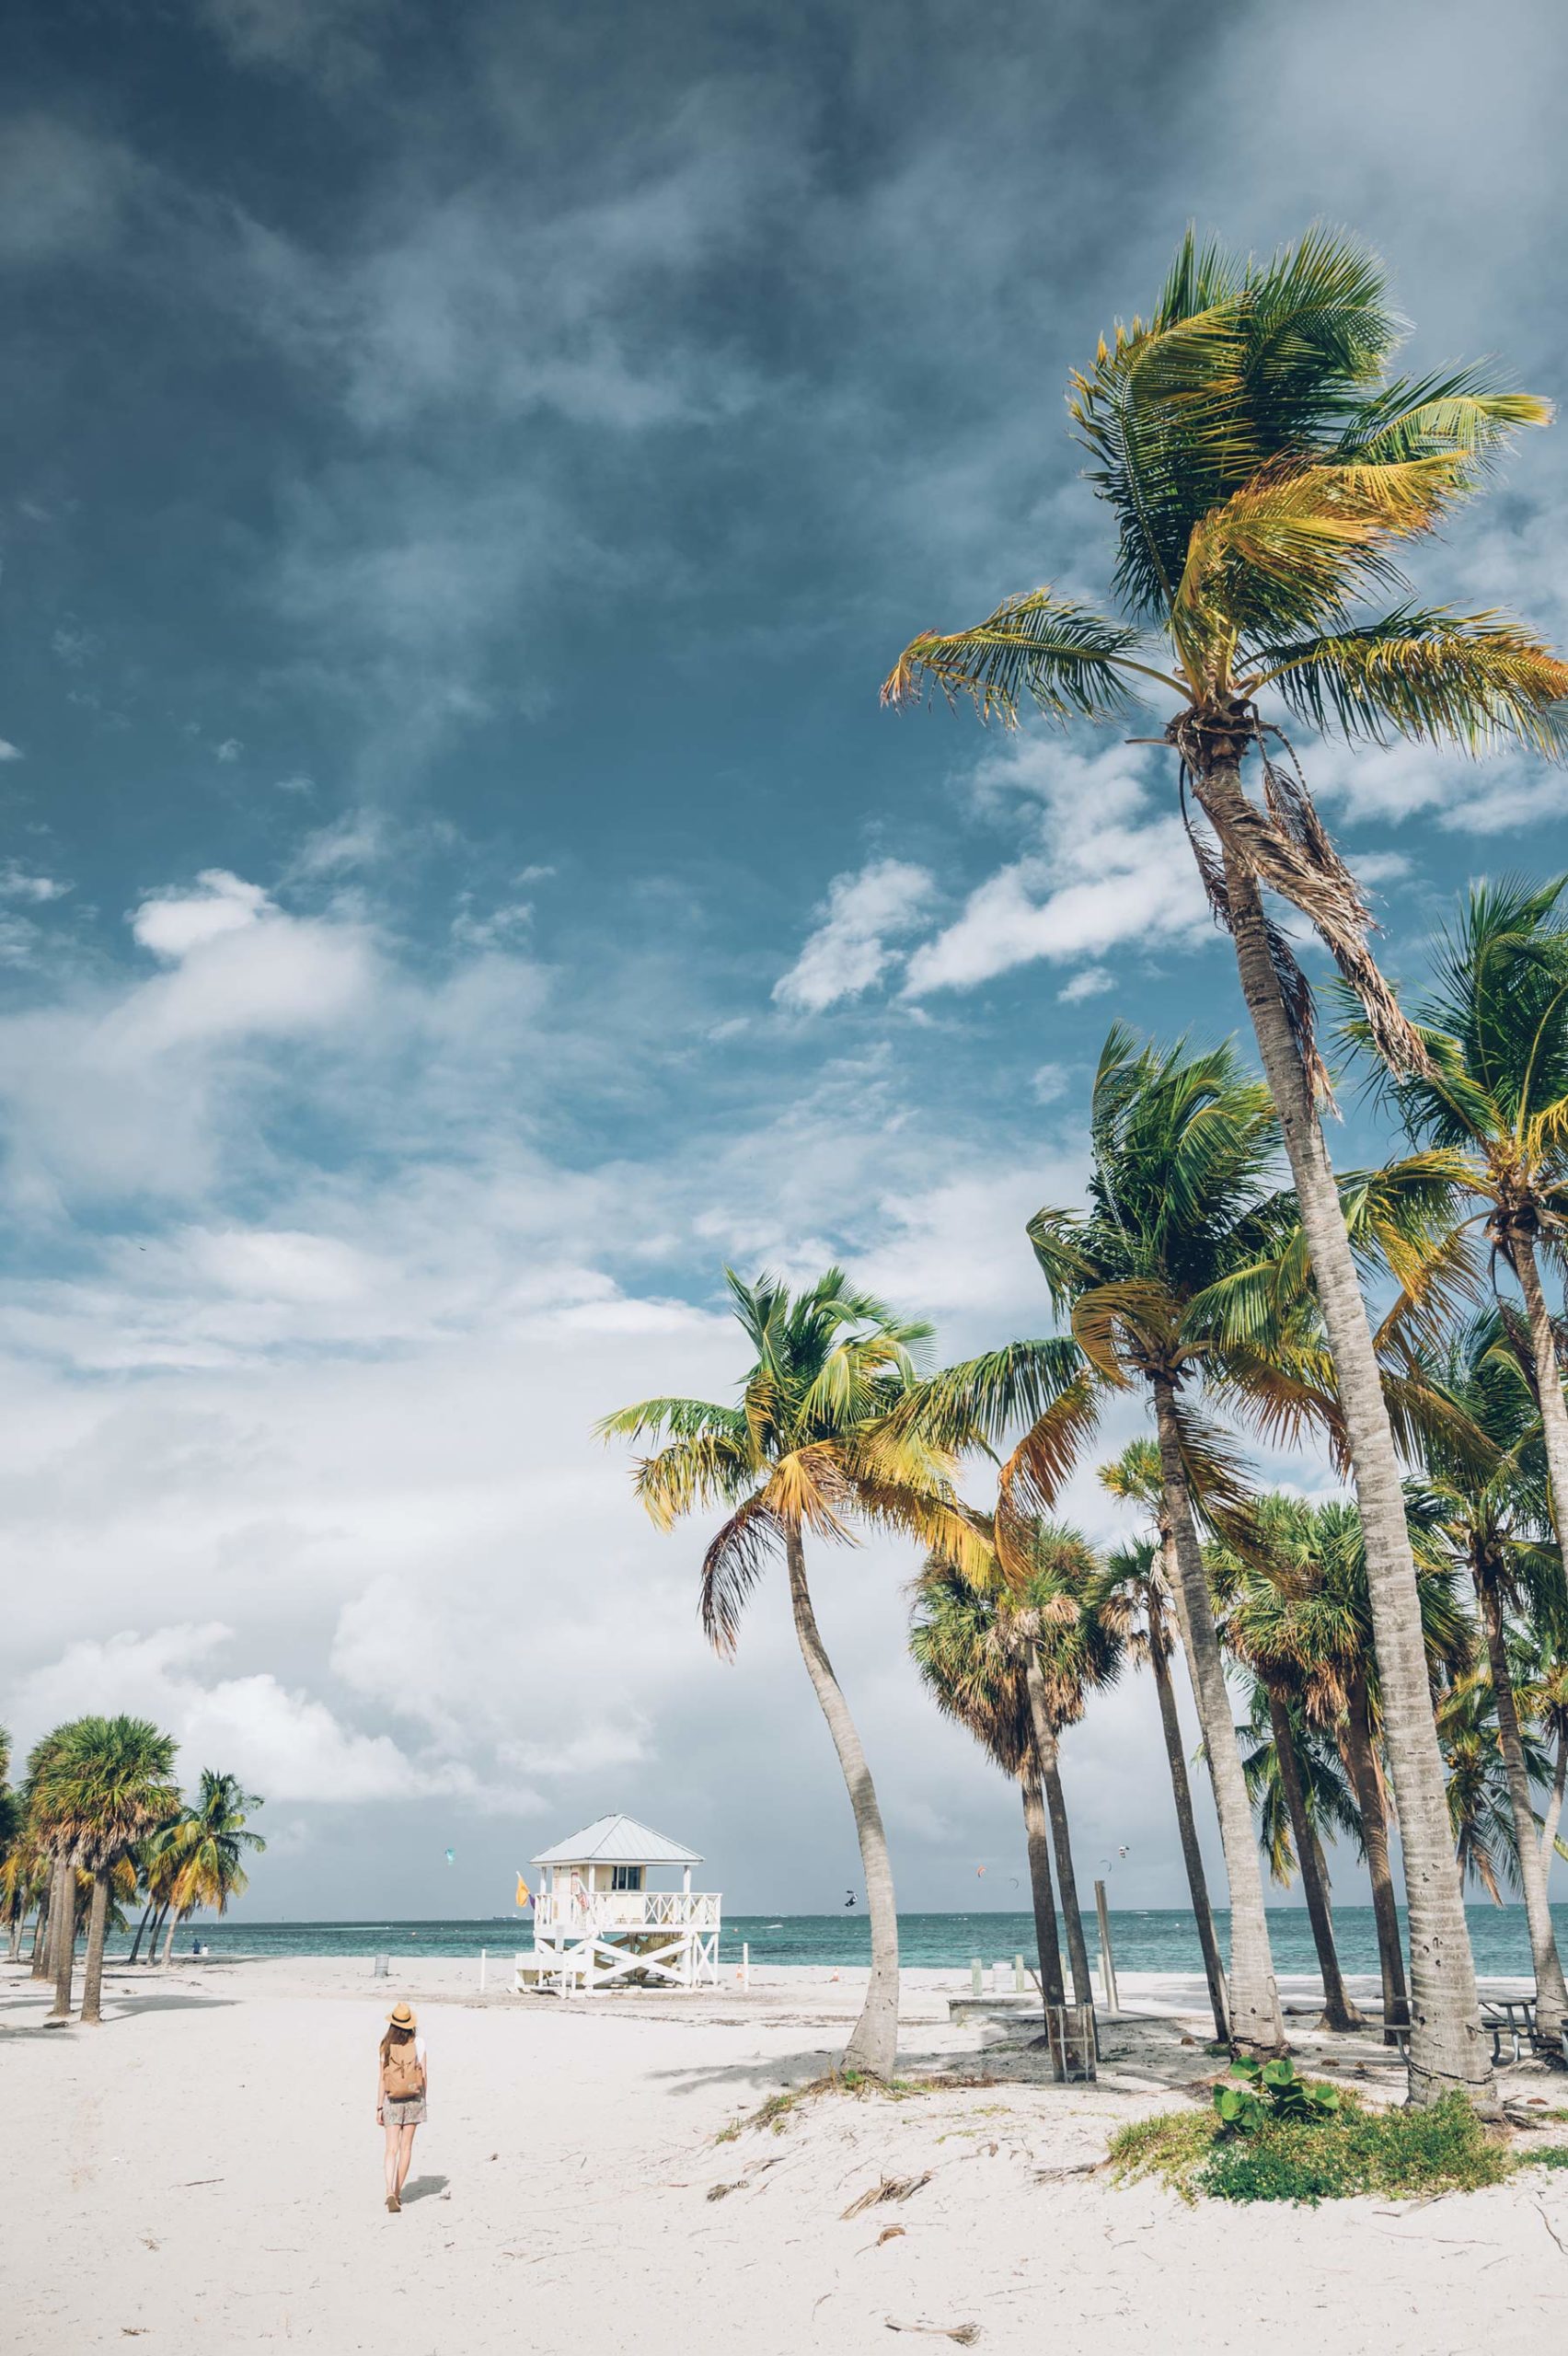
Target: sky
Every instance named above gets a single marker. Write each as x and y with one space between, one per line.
466 470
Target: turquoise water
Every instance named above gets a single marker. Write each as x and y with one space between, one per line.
1158 1940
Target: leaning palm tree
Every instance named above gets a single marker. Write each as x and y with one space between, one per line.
1262 465
1489 1516
809 1450
200 1854
1141 1577
972 1660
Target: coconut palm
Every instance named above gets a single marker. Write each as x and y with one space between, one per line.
1481 1810
972 1660
200 1855
1262 465
1142 1578
1489 1515
809 1450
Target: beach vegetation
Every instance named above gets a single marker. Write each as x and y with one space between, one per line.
1332 2151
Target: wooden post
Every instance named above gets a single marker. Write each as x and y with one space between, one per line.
1019 1988
481 1971
745 1963
976 1977
1107 1961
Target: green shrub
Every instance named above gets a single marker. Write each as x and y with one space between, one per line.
1327 2156
1271 2090
1555 2155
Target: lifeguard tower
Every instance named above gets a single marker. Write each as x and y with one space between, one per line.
597 1923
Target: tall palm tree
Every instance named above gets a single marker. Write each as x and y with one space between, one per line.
971 1656
1492 1090
1491 1516
809 1450
1262 465
1180 1201
1141 1577
1264 1603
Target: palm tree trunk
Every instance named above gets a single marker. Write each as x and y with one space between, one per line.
16 1948
169 1943
155 1934
1255 2020
98 1934
1339 2013
1040 1890
1551 1994
1053 1993
1548 1374
1061 1839
64 1912
1192 1855
1361 1762
40 1939
1447 2048
136 1942
874 2045
1553 1815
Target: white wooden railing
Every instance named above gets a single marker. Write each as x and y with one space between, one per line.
627 1910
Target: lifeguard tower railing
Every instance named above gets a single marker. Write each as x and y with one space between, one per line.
571 1908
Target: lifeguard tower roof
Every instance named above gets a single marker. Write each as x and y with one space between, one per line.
617 1840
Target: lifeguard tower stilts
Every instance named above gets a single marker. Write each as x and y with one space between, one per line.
598 1925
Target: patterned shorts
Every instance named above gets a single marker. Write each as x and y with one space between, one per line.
408 2112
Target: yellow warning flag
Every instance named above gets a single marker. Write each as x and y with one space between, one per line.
524 1897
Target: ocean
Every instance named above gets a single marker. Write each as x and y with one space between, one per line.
1158 1939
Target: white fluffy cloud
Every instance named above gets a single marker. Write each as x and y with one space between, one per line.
172 923
1107 870
852 946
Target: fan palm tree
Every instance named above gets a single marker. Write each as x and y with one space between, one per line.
53 1826
1266 1600
1263 465
1492 1517
810 1450
1074 1643
972 1660
110 1783
1141 1577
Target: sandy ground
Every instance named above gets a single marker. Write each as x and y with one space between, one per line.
203 2173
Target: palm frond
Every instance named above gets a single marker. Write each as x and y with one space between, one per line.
1473 680
1069 663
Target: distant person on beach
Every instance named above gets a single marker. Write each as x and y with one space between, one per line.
402 2079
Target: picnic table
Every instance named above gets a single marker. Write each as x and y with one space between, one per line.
1513 2021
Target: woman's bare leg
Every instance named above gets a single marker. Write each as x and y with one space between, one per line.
394 2137
405 2154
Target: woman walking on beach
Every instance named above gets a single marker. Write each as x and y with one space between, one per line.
402 2079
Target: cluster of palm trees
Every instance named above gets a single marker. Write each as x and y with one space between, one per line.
1264 464
97 1822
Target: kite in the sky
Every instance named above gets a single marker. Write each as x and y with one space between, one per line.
452 1856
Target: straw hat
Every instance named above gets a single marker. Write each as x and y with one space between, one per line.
403 2017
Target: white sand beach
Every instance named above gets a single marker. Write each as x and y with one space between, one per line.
203 2173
